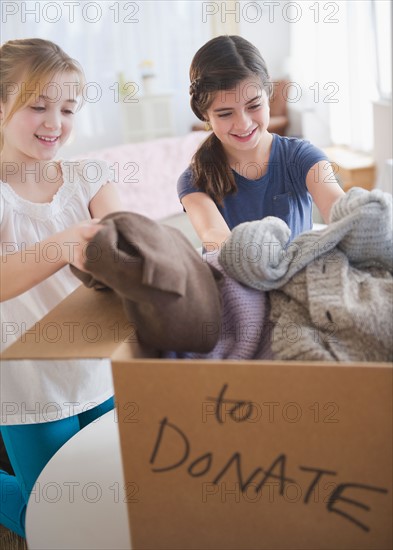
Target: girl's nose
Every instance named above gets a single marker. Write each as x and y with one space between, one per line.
52 120
242 121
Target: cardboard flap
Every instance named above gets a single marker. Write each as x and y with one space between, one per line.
87 324
256 455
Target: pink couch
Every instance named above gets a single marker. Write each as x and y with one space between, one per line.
146 173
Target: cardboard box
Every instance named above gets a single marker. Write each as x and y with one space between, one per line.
239 454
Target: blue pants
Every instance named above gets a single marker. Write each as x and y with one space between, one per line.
30 447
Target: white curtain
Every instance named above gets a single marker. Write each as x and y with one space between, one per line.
333 57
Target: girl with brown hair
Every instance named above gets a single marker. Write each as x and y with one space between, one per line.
242 172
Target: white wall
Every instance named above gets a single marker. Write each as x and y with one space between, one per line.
269 31
383 148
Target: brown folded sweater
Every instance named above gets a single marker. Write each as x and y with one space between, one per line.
167 289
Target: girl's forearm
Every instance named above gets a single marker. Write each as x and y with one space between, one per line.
32 264
213 239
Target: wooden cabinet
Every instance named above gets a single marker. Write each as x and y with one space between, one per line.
352 169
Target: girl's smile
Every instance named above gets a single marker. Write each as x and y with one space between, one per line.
245 137
48 139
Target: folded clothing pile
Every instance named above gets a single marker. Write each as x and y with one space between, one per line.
331 291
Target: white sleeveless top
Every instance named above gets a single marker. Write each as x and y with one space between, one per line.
42 391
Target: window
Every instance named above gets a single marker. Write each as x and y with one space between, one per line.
382 17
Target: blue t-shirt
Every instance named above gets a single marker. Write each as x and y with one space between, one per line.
281 192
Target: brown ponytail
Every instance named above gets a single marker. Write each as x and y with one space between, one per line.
220 64
211 170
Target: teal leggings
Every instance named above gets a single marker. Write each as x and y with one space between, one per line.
30 447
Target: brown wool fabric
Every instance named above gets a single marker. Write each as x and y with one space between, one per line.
167 289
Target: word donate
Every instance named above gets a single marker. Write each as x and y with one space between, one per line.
259 454
205 465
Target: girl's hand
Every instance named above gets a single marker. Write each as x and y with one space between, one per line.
76 239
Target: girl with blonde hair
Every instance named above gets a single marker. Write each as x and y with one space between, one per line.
48 212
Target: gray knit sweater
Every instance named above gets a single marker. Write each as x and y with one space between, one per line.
258 254
331 311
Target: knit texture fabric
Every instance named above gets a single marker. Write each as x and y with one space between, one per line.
331 311
258 254
168 292
245 330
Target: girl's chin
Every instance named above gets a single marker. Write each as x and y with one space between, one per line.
46 153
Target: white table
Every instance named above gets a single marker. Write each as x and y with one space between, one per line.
78 502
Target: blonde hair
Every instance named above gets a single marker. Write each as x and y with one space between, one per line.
29 64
